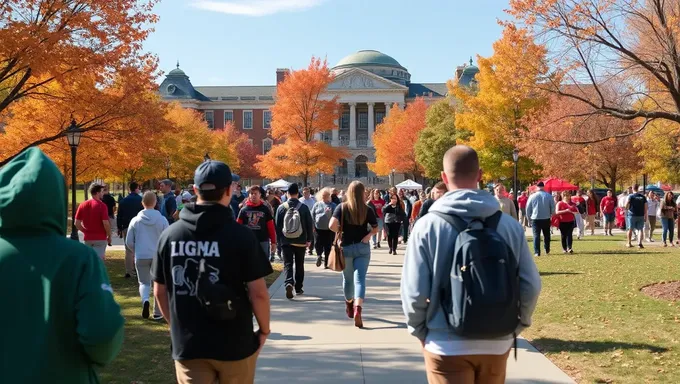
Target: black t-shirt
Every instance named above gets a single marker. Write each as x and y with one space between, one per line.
233 256
637 203
110 202
352 233
256 218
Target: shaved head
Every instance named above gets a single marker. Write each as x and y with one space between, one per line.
461 164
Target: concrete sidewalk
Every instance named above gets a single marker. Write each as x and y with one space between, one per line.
313 341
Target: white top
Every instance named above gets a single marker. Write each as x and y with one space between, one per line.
467 347
652 207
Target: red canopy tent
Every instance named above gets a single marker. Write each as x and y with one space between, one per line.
556 185
666 187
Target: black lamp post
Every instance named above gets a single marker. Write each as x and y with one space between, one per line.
167 167
515 158
73 135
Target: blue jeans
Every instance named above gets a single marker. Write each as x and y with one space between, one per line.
377 237
668 226
357 257
538 226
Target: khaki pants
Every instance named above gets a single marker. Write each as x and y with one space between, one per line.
99 246
471 369
207 371
129 256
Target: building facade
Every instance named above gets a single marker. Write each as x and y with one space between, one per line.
367 83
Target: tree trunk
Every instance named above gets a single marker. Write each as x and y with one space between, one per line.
305 179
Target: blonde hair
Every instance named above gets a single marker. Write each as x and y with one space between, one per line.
355 203
149 199
323 191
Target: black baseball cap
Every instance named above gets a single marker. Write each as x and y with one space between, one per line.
211 175
540 184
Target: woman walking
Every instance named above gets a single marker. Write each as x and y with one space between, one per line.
565 210
668 214
353 218
591 211
652 208
393 214
377 203
321 214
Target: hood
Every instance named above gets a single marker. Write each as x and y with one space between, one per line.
467 203
32 195
150 217
205 217
251 204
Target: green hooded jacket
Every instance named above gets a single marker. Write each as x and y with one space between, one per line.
59 319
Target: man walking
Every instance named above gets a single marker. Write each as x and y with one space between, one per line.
258 217
128 208
522 203
436 193
308 200
452 355
636 213
540 208
61 323
92 219
142 238
294 231
208 278
168 204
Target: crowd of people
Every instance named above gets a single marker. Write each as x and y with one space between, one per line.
200 256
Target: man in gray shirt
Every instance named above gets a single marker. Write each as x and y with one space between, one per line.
540 208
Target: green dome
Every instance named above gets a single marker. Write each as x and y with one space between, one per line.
177 72
471 70
368 57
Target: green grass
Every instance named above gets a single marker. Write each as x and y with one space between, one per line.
145 356
593 321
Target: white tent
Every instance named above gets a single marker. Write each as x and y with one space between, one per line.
409 185
278 184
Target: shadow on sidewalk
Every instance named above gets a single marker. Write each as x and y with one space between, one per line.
557 345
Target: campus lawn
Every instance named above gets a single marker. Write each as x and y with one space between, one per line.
594 323
145 356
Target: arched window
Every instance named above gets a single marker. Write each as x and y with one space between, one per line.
361 168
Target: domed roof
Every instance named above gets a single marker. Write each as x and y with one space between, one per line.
368 57
471 69
177 71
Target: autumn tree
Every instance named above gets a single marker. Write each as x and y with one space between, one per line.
560 150
659 149
300 114
495 110
439 135
631 45
46 41
395 140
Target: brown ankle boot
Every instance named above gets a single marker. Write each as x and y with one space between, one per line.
349 308
357 317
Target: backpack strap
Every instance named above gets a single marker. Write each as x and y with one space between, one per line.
493 220
459 224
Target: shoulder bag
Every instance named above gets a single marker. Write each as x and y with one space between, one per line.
336 258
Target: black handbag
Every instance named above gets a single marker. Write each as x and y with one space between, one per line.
220 301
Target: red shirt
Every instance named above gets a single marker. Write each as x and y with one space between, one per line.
608 205
93 213
566 217
591 207
378 204
522 201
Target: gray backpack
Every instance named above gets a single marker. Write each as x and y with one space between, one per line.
292 222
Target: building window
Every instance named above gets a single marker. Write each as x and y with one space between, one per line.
379 117
228 117
344 120
247 119
266 146
250 141
363 120
209 117
267 119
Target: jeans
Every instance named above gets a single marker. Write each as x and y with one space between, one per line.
393 235
538 226
378 236
143 267
668 228
567 235
404 230
266 249
579 223
357 258
294 254
523 217
324 242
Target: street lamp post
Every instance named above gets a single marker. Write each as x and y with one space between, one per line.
73 135
393 170
167 167
515 185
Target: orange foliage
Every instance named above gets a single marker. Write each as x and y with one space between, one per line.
395 140
300 113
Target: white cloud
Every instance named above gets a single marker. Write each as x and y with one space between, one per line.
256 7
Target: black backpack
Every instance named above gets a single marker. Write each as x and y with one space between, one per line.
482 300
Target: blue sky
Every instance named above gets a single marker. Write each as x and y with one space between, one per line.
242 42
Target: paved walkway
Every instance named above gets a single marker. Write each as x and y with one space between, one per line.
313 341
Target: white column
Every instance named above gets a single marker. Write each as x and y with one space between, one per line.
335 138
401 106
352 125
371 124
388 105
